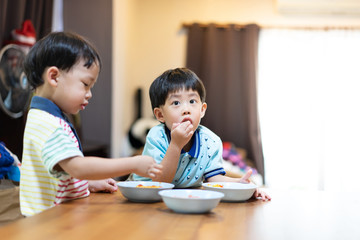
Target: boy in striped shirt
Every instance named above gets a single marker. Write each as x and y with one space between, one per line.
62 68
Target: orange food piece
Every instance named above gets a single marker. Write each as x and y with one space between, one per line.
191 196
151 186
217 185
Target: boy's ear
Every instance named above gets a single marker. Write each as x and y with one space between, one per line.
203 109
159 115
51 75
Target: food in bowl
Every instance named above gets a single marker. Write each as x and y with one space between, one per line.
191 200
143 191
151 186
234 192
216 185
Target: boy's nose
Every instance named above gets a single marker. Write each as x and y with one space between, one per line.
88 95
186 112
185 108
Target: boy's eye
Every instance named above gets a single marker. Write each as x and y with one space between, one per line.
192 101
176 103
85 84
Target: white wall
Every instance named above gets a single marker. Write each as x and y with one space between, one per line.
149 39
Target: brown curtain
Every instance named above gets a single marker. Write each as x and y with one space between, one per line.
225 58
12 15
14 12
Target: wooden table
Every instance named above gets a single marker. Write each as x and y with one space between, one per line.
290 215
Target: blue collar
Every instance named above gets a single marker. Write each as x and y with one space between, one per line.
50 107
195 148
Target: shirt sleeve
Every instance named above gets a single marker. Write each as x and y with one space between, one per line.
58 147
155 146
215 164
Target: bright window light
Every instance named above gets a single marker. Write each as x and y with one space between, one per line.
309 107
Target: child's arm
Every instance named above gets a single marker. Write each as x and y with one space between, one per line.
244 179
94 168
222 178
181 134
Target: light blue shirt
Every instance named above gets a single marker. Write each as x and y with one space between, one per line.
204 160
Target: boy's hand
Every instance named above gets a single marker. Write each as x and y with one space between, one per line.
261 195
106 185
258 193
147 167
245 178
181 133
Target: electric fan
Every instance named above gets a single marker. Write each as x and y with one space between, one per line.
15 92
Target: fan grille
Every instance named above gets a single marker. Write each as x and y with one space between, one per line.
15 90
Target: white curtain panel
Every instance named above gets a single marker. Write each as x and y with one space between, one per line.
309 107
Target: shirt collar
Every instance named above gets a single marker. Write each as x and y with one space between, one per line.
47 106
195 148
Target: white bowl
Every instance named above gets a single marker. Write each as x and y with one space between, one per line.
133 193
234 192
191 200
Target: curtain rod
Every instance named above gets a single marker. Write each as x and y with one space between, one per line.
204 25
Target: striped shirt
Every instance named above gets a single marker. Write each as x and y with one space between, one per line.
48 139
203 161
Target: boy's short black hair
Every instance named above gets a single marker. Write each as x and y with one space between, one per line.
60 49
174 80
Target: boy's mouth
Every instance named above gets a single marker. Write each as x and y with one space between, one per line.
186 119
83 106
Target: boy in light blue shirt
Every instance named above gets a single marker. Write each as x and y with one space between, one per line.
188 152
201 162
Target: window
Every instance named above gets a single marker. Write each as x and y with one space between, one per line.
309 107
